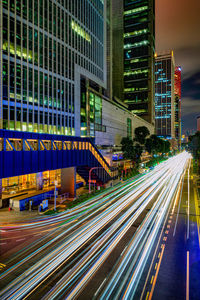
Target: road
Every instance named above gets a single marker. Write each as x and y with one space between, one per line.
105 249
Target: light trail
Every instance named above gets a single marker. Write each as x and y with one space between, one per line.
133 280
116 212
65 280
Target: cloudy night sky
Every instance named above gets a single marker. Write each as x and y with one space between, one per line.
178 29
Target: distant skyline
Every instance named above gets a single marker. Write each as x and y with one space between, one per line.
177 29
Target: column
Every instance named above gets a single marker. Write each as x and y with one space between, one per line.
1 204
68 181
39 181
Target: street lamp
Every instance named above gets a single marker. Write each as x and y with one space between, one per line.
55 182
90 173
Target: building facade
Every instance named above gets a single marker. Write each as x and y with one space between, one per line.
117 128
177 90
117 21
164 95
198 123
139 50
46 46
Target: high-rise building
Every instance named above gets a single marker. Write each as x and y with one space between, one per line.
118 48
45 48
164 95
139 51
177 90
198 123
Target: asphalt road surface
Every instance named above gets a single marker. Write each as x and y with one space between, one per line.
129 243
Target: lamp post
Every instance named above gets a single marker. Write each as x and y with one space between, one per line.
55 182
90 173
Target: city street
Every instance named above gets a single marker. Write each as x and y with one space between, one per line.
126 244
99 150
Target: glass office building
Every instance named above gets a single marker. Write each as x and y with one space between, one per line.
164 95
177 89
45 48
139 49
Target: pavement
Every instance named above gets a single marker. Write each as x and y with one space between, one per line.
14 216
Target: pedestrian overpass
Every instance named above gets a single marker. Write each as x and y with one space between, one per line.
24 153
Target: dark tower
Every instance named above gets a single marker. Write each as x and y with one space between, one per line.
139 50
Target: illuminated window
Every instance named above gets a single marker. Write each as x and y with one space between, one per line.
80 31
135 72
135 10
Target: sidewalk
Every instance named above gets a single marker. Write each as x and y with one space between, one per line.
13 216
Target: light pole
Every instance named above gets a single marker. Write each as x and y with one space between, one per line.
55 182
90 173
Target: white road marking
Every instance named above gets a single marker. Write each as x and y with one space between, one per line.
100 287
20 240
188 210
123 250
178 210
187 277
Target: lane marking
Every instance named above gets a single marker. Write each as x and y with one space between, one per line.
155 252
156 275
147 296
152 278
197 214
187 278
100 287
123 251
188 210
156 266
179 207
20 240
2 265
3 243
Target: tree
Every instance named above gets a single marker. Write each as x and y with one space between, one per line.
149 145
155 145
131 151
140 134
167 146
194 147
194 144
127 148
137 152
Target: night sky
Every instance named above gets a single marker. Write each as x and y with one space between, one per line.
178 29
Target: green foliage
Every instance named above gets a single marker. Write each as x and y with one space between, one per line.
131 151
140 134
155 145
137 152
127 148
167 147
194 147
194 144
